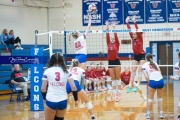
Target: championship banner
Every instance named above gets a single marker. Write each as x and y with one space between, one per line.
134 7
173 11
36 99
96 16
155 11
112 11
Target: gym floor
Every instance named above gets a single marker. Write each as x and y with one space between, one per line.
130 107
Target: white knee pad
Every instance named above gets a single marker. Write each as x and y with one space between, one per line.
89 105
118 82
179 104
114 83
160 99
133 74
150 100
88 81
139 74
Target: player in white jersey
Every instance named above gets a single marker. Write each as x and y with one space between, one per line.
56 77
153 75
77 74
176 77
80 45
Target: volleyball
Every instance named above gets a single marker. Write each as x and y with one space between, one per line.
92 8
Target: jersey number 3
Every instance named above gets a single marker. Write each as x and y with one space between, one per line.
78 45
57 76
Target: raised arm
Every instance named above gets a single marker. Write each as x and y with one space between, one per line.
115 35
89 25
107 34
128 26
136 26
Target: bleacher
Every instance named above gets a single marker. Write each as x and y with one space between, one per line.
5 70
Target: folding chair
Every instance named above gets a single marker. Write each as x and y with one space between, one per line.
16 91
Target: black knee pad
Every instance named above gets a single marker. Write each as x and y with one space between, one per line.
58 118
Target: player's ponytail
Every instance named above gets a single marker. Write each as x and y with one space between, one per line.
149 58
75 34
75 63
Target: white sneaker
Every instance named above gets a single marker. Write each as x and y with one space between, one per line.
20 48
17 48
161 115
147 115
144 97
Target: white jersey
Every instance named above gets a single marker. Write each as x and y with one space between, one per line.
57 80
80 45
176 67
77 73
152 73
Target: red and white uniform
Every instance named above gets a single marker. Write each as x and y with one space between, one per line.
176 67
137 44
77 73
113 48
57 80
125 77
152 73
80 45
107 73
103 71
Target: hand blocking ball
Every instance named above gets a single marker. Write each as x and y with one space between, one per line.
92 8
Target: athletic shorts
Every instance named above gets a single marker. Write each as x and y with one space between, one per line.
57 105
139 57
81 58
125 82
156 84
68 87
113 62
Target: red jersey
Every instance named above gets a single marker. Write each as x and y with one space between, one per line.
103 71
137 44
107 73
99 73
125 78
93 74
87 74
113 48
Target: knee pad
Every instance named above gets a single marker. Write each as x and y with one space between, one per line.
89 105
179 104
88 81
114 83
118 82
160 99
150 100
58 118
133 74
139 74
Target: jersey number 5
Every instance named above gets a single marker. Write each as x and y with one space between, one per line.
57 76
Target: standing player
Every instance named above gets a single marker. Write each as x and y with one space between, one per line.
176 77
125 79
153 75
80 45
56 77
139 54
77 74
113 59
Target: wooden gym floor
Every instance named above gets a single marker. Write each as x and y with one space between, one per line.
130 107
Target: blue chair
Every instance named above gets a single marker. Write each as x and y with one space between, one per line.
16 91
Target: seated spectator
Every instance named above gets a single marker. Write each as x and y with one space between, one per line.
5 38
19 81
17 41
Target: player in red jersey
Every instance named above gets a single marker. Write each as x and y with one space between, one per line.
125 80
113 61
100 78
139 54
88 80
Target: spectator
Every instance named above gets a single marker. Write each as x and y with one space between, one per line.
17 41
5 38
18 79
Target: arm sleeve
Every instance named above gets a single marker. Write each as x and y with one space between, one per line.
45 76
138 33
107 38
129 27
116 40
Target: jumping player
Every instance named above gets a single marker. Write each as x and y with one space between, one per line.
139 54
56 76
113 59
125 79
77 74
176 77
80 45
153 75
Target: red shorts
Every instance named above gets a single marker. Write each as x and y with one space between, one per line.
125 82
